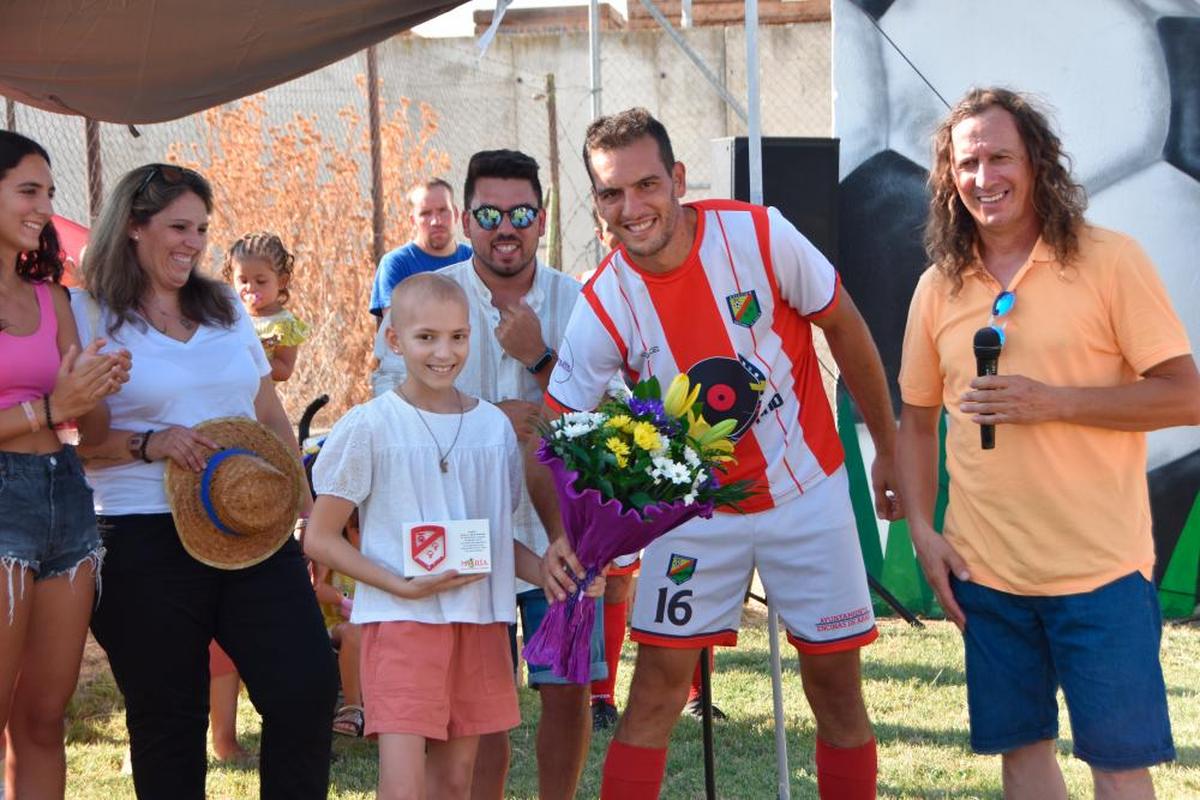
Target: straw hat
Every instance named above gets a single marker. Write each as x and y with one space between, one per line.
241 508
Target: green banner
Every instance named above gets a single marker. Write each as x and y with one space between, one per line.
1177 591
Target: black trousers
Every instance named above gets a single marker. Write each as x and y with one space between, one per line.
158 610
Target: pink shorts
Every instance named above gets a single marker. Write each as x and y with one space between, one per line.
440 681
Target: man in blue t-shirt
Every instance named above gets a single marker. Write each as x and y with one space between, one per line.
434 217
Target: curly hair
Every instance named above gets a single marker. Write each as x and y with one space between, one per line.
269 248
45 263
111 270
951 234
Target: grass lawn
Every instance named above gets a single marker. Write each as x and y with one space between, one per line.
914 690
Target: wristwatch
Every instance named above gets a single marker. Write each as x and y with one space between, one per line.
543 361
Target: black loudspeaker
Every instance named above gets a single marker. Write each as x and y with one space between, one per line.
800 178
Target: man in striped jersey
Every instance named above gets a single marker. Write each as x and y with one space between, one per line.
727 293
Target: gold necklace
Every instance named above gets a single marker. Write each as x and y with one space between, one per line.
441 456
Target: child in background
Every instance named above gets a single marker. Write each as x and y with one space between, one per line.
335 593
260 268
436 673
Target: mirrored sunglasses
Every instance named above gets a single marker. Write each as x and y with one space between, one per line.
490 217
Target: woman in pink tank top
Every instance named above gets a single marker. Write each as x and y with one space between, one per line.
48 539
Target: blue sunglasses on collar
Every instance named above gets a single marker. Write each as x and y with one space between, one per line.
1001 307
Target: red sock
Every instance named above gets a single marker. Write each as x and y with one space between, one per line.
694 691
614 637
846 773
633 773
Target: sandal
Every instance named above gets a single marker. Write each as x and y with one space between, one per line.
348 721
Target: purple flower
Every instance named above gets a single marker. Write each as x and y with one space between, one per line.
650 406
654 408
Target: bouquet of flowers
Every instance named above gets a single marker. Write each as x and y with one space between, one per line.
625 474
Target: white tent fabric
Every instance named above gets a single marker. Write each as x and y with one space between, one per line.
142 61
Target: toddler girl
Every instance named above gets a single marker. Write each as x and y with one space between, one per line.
260 268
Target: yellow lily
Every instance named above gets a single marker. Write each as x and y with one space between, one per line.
712 438
710 434
680 396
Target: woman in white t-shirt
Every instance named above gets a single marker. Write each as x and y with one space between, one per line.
195 357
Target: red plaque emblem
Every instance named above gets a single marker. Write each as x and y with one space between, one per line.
428 545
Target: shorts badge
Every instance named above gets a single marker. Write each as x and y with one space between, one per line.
744 308
681 569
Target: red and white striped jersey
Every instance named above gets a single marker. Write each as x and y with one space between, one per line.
735 316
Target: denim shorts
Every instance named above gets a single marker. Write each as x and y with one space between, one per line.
533 607
47 523
1101 647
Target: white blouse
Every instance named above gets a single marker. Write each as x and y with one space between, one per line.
381 457
216 373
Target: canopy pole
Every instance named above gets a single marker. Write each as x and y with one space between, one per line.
95 169
376 154
594 56
754 134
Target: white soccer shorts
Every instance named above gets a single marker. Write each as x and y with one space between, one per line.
694 579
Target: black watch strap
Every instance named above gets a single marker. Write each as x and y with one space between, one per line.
542 362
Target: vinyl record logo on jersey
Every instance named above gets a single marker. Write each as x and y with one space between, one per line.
730 388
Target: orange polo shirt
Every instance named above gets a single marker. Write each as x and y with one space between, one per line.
1055 508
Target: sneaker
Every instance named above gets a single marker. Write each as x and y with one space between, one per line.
604 715
693 707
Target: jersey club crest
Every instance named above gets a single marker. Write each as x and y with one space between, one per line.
681 569
744 308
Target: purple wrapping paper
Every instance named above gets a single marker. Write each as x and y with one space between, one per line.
599 530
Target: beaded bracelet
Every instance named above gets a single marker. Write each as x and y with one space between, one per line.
46 405
34 424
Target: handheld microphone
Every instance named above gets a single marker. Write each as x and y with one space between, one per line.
987 356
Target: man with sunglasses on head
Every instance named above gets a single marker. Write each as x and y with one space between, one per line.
1047 554
434 215
518 306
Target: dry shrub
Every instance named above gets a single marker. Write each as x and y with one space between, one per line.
308 180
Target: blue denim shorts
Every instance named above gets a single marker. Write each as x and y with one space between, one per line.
1101 647
533 607
47 524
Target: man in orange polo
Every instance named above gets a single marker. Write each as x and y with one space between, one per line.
1046 560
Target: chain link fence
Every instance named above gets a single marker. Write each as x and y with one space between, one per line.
296 158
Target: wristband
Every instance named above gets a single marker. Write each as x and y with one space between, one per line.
46 405
142 447
35 424
543 361
68 433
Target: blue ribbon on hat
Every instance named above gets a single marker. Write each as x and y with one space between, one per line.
206 482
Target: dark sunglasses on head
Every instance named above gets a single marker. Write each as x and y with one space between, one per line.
1001 306
170 173
490 217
